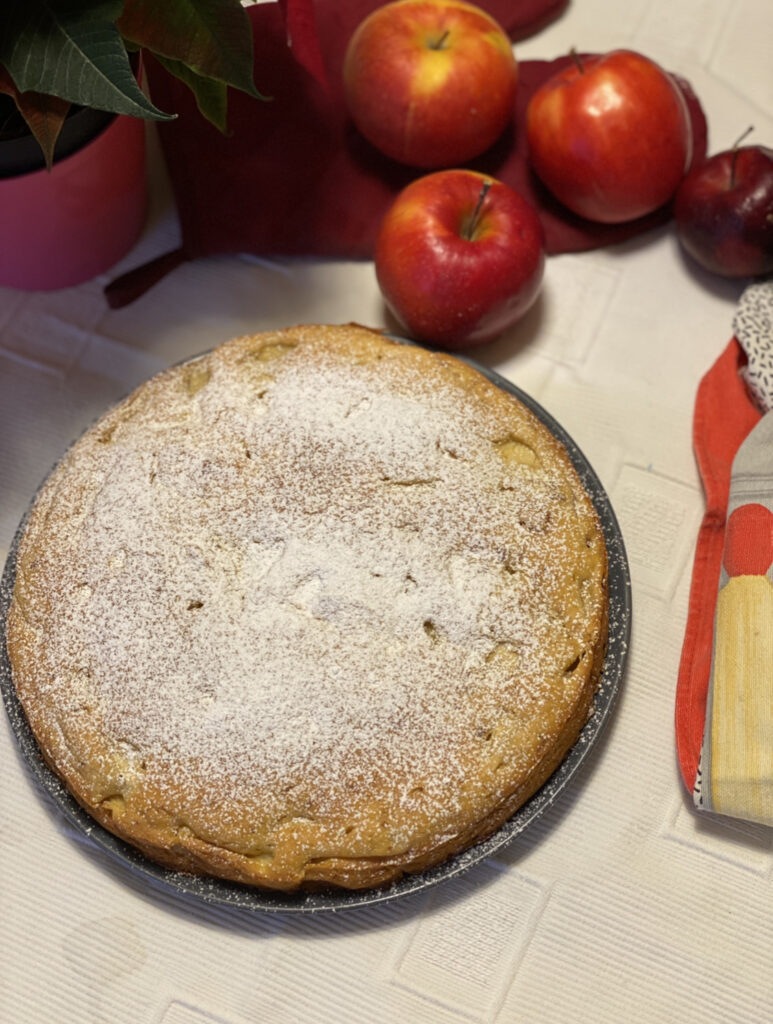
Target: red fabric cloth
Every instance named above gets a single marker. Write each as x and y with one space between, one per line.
724 416
294 177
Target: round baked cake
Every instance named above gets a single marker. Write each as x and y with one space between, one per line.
317 608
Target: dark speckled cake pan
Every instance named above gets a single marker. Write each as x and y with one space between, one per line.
224 893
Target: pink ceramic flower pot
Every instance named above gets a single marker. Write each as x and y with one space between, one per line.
63 227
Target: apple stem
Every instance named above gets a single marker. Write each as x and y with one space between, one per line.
473 222
438 45
576 58
736 144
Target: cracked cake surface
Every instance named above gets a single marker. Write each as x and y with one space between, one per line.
316 608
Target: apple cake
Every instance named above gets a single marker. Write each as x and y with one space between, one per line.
314 609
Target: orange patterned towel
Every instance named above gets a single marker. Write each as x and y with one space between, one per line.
724 702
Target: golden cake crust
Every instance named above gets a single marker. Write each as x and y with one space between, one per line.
315 608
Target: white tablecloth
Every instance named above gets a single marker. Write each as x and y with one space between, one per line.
619 903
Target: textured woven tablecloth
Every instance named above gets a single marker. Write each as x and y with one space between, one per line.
619 903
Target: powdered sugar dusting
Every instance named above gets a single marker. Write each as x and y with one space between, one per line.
321 572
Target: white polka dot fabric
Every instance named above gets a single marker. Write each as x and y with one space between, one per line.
753 327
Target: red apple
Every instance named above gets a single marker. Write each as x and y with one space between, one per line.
610 136
430 83
724 212
459 258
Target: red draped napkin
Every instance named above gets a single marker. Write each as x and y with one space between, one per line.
294 177
724 416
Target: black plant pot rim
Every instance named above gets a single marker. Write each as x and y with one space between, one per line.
23 155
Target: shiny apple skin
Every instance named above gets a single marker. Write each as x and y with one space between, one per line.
423 106
724 217
450 290
611 141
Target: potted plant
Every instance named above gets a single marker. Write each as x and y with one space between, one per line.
72 169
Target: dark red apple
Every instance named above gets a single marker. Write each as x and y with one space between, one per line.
724 212
610 136
430 82
459 258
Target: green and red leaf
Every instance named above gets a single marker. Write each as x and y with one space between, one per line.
210 94
303 36
211 38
